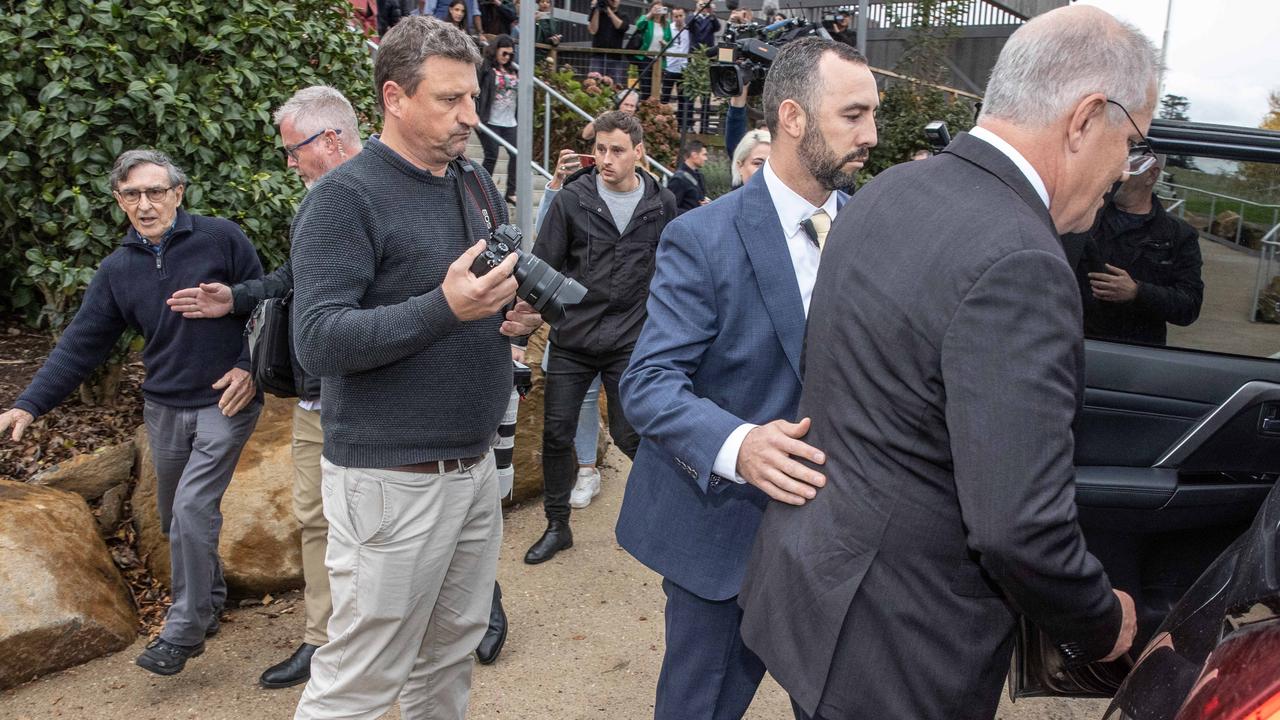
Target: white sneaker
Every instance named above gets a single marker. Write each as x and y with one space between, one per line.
587 487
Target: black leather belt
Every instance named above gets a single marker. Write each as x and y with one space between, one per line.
439 467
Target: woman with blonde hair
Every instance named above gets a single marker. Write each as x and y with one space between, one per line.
749 156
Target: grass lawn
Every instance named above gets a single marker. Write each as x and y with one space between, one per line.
1223 184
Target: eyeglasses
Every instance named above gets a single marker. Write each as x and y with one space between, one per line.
1141 156
155 195
292 150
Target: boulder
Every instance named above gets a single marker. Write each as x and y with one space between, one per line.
62 601
89 475
111 509
1200 222
527 456
1226 224
260 543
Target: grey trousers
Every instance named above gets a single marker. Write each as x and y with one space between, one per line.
412 559
195 451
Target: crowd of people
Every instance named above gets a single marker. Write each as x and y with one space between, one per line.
866 525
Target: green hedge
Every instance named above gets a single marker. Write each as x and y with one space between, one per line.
84 80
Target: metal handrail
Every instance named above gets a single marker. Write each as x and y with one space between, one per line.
1269 244
481 127
546 124
1222 195
1213 206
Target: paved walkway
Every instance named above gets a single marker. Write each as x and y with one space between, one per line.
585 642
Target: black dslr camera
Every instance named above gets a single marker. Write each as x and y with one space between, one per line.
747 51
540 285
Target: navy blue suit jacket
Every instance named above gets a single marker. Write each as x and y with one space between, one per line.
721 347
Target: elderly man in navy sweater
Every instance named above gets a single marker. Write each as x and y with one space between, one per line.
201 404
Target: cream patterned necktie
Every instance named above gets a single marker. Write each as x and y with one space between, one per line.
819 224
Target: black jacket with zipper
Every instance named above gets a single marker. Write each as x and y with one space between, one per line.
579 238
1161 252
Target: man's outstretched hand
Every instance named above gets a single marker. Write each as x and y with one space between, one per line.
208 300
18 419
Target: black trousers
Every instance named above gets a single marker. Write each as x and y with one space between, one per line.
491 148
569 375
684 114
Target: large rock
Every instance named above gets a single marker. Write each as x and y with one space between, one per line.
1226 224
89 475
527 456
62 601
261 541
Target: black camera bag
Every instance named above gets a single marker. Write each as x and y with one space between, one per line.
270 347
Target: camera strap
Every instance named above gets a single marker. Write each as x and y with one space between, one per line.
471 183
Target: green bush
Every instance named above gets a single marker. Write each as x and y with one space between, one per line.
87 79
905 108
592 93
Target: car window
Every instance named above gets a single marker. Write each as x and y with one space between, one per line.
1184 255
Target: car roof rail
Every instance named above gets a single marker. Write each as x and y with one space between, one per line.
1228 142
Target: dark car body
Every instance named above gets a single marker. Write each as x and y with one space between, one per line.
1177 456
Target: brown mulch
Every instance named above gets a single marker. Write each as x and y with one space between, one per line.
71 428
68 430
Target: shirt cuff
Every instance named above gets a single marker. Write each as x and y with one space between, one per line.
726 464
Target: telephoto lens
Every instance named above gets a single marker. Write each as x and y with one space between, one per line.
540 285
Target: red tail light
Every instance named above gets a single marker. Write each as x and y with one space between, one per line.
1241 679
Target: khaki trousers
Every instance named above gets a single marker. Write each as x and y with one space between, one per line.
308 508
412 560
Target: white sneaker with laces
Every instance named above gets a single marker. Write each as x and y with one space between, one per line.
587 487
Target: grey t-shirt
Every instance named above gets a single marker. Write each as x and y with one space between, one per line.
621 205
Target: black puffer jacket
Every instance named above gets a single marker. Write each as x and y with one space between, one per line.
246 296
1159 251
579 238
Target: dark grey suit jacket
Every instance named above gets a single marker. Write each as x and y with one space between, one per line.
943 366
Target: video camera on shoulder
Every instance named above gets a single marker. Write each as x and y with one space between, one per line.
747 51
547 290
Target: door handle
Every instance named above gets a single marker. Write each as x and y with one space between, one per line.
1269 420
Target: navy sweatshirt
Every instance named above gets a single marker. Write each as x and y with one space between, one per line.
182 358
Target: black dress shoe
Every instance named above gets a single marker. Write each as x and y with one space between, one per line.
294 671
496 635
165 658
557 537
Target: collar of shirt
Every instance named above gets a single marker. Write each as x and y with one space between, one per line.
793 209
158 246
1012 153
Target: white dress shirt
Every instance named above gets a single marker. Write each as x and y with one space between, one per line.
792 210
1012 153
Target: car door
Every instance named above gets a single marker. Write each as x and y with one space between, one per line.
1177 446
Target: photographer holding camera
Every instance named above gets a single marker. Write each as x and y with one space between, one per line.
601 230
608 27
417 376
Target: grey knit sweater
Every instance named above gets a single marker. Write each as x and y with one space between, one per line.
404 381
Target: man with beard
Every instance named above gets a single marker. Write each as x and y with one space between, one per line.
714 381
943 370
319 131
417 375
